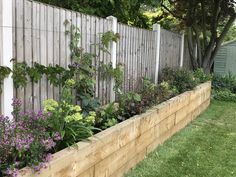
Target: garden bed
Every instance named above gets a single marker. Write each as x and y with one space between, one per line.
113 152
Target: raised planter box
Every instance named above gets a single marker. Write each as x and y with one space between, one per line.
111 153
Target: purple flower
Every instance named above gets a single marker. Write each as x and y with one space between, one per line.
16 102
75 65
12 172
49 114
57 136
48 143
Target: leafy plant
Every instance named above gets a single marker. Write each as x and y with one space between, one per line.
107 116
182 79
149 92
36 72
68 119
130 104
25 140
4 73
108 72
224 82
166 91
108 37
200 76
84 74
19 74
224 95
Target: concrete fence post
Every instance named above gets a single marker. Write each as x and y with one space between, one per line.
113 28
7 54
182 51
157 29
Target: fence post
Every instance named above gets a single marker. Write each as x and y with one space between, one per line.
182 51
7 55
113 55
157 29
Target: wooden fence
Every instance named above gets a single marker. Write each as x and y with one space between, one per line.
39 35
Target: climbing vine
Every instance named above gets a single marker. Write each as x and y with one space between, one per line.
4 73
108 72
81 70
107 38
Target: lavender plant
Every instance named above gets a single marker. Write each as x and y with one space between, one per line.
25 140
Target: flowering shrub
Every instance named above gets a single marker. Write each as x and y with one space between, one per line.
68 119
25 140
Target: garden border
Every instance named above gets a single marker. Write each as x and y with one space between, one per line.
112 152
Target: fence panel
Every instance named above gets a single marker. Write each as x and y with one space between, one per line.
170 49
136 50
40 35
1 57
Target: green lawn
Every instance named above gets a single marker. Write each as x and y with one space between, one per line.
206 148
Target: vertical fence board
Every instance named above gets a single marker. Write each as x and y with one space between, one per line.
64 23
1 45
28 51
43 50
49 47
67 59
35 50
56 44
20 41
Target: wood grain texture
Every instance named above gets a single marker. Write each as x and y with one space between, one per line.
39 36
112 152
1 49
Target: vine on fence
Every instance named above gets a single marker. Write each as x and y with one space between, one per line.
4 73
108 72
108 37
81 70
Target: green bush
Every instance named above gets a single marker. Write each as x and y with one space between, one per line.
224 82
165 91
224 95
107 116
149 92
200 76
182 79
68 119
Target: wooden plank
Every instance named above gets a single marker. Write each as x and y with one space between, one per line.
107 60
63 37
88 33
1 49
125 57
36 51
28 51
67 60
93 49
83 31
97 40
20 42
133 58
50 47
14 35
43 52
129 57
101 54
56 44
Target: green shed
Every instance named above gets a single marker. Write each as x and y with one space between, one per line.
225 60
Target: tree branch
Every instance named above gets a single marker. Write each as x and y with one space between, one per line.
172 13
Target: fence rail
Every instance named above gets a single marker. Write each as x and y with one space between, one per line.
39 35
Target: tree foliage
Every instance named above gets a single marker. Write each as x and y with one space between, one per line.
231 35
127 11
207 22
